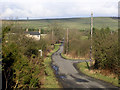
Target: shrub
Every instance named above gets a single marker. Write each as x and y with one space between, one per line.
105 49
27 79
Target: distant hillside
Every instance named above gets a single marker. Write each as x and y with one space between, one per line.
73 23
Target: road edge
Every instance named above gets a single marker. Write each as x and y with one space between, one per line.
75 66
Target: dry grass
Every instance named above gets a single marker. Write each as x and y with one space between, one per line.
105 75
69 56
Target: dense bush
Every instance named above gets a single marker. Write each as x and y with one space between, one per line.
105 45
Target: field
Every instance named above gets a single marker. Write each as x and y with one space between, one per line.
72 23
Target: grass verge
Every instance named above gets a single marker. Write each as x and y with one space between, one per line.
50 79
71 58
84 69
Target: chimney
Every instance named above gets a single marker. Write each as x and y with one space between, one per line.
39 31
27 30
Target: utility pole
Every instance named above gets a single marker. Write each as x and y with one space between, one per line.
27 23
52 36
91 32
16 19
16 25
64 44
67 40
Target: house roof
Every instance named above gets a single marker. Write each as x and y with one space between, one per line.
33 33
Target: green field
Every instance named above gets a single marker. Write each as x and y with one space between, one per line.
72 23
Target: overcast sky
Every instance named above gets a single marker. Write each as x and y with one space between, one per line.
57 8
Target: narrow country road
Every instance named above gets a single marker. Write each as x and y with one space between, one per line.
69 77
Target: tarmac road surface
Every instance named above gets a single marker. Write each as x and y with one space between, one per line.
69 77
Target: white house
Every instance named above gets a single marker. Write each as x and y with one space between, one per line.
33 34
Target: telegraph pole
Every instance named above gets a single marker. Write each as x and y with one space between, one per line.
52 36
67 40
64 44
27 23
16 25
91 32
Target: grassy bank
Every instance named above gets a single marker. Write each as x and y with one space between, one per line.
71 58
96 74
50 79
